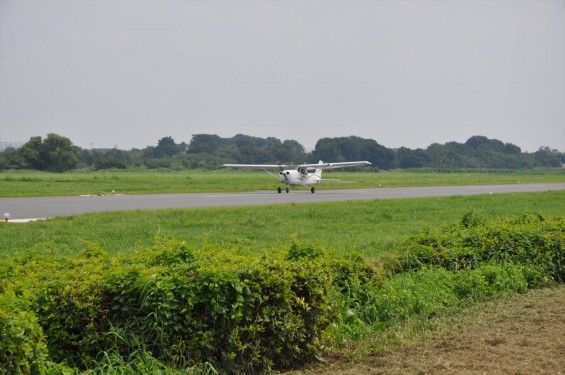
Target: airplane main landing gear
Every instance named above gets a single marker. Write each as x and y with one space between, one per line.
279 190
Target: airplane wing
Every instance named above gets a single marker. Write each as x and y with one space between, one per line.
322 165
258 166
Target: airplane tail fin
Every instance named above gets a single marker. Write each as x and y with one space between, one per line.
318 172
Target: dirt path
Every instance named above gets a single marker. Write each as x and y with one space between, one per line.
523 334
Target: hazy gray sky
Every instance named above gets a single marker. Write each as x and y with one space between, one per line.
405 73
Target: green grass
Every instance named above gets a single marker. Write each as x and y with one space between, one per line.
372 228
23 184
369 227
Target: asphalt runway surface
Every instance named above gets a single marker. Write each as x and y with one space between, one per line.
48 207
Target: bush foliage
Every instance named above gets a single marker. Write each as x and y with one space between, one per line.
528 239
183 305
174 306
23 348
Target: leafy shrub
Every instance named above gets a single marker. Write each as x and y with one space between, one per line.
528 239
22 344
240 313
472 219
297 252
468 260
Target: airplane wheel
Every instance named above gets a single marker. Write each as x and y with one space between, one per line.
312 189
287 190
279 190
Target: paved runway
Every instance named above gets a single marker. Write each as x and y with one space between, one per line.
45 207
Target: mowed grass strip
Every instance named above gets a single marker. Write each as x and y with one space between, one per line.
32 183
368 227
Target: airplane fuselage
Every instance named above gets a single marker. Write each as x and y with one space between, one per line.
299 177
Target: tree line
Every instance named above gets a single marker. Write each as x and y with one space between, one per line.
57 153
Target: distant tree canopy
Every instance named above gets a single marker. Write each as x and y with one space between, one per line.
211 149
166 147
354 148
481 152
57 154
54 154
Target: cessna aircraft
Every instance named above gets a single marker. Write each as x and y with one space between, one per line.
299 175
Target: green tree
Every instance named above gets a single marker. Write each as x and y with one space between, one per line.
327 150
408 158
547 157
204 143
55 154
59 152
31 153
354 148
166 147
11 159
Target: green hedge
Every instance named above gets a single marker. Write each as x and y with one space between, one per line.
474 241
184 306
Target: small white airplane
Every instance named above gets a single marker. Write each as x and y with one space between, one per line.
299 175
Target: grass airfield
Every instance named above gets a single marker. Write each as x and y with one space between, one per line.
32 183
368 227
372 228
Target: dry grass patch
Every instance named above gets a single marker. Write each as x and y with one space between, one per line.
516 334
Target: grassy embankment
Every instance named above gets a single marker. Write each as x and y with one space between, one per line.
23 184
